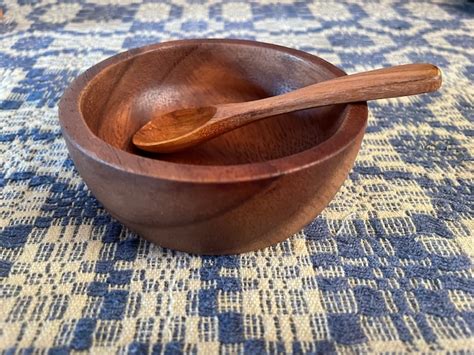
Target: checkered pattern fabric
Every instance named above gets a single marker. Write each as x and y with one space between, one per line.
386 267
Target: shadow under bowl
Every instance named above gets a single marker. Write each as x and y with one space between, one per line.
245 190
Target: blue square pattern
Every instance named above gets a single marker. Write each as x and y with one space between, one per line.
387 266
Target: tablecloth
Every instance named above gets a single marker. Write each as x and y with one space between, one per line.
386 267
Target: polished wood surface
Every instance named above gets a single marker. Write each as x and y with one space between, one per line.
243 190
178 130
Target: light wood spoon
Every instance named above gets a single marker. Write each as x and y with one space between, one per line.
183 128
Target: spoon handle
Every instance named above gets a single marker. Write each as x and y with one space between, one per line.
401 80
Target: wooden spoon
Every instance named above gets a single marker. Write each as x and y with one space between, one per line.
183 128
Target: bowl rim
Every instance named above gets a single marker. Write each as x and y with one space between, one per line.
77 132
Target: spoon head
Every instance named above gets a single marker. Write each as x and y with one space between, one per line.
173 131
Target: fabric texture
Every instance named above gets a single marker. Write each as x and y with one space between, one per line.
386 267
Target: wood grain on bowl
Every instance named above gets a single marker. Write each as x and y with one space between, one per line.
241 191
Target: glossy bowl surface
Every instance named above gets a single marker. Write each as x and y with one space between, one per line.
244 190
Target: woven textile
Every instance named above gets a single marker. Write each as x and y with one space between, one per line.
386 267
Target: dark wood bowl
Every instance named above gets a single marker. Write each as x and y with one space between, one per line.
245 190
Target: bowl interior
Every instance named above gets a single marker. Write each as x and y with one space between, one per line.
126 95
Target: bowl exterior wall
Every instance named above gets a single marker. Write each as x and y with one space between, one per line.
216 218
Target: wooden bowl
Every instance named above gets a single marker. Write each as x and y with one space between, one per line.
245 190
